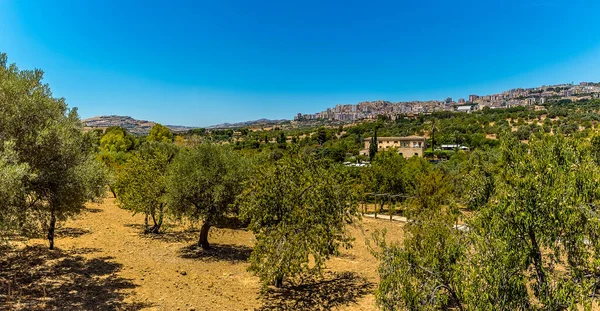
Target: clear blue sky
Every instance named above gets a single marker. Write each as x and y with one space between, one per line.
206 62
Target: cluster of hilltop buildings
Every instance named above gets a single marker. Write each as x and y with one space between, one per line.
373 109
510 98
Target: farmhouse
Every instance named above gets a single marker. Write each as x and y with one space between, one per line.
407 146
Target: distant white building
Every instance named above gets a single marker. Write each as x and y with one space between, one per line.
454 147
467 108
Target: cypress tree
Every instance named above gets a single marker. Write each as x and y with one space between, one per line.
373 146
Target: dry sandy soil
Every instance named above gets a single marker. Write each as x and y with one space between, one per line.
103 262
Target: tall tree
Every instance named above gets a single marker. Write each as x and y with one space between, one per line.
298 209
373 147
48 137
203 183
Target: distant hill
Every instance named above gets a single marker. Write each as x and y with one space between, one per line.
142 127
247 123
134 126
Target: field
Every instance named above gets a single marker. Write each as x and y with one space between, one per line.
103 262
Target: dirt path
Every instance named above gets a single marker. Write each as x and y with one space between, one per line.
104 263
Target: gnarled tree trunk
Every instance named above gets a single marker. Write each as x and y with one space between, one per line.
51 228
157 224
537 262
203 242
278 281
112 191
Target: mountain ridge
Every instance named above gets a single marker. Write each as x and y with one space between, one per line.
142 127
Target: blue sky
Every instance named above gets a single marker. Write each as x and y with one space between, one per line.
206 62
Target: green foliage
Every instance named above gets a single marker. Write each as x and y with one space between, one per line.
114 162
391 173
141 183
425 272
117 139
322 135
116 145
298 210
532 239
543 210
386 174
477 178
203 183
47 137
160 133
198 131
13 179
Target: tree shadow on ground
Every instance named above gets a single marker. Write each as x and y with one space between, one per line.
135 226
41 279
334 290
68 232
166 235
93 210
217 252
186 235
83 250
173 236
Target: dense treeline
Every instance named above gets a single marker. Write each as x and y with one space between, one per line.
510 225
276 196
475 130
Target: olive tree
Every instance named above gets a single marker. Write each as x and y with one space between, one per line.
141 183
386 173
160 133
425 272
48 137
117 139
13 178
531 240
298 209
203 183
544 208
116 146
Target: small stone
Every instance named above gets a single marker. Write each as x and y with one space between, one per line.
182 272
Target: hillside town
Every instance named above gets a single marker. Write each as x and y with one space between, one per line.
511 98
